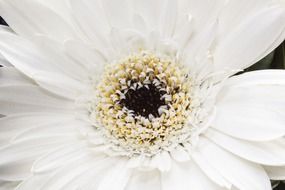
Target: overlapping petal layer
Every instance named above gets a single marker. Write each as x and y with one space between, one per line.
47 141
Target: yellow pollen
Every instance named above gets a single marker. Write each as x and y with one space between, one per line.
164 87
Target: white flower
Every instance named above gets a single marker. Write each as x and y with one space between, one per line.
140 94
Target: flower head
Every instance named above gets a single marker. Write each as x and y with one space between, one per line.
140 94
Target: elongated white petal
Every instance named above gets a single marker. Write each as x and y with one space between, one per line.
60 7
4 62
184 176
184 30
15 124
17 158
203 12
141 180
59 157
61 61
210 171
267 153
34 181
140 23
149 10
197 49
250 41
30 17
63 86
180 154
118 13
40 180
55 129
10 76
236 12
91 18
19 99
251 123
92 59
41 56
241 173
81 174
91 178
4 185
251 106
162 161
196 32
169 18
119 175
275 172
23 54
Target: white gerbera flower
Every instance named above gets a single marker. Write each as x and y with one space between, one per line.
140 94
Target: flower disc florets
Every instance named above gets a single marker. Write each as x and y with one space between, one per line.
144 102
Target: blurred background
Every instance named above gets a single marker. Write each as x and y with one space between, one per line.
275 60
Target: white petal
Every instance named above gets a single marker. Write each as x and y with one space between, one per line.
236 12
10 76
126 41
13 125
140 23
119 175
185 176
81 173
251 106
203 12
29 17
40 56
54 52
34 181
118 13
162 161
91 178
169 18
180 154
90 58
210 171
195 29
92 20
184 30
53 129
60 7
17 159
4 185
259 78
60 85
67 174
198 48
142 180
241 173
60 157
24 55
18 99
150 10
4 62
251 41
266 153
275 173
4 28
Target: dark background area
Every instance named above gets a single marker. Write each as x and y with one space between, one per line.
275 60
281 186
2 21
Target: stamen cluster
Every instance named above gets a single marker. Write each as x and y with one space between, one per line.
144 102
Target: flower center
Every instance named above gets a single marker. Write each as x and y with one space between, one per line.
143 103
